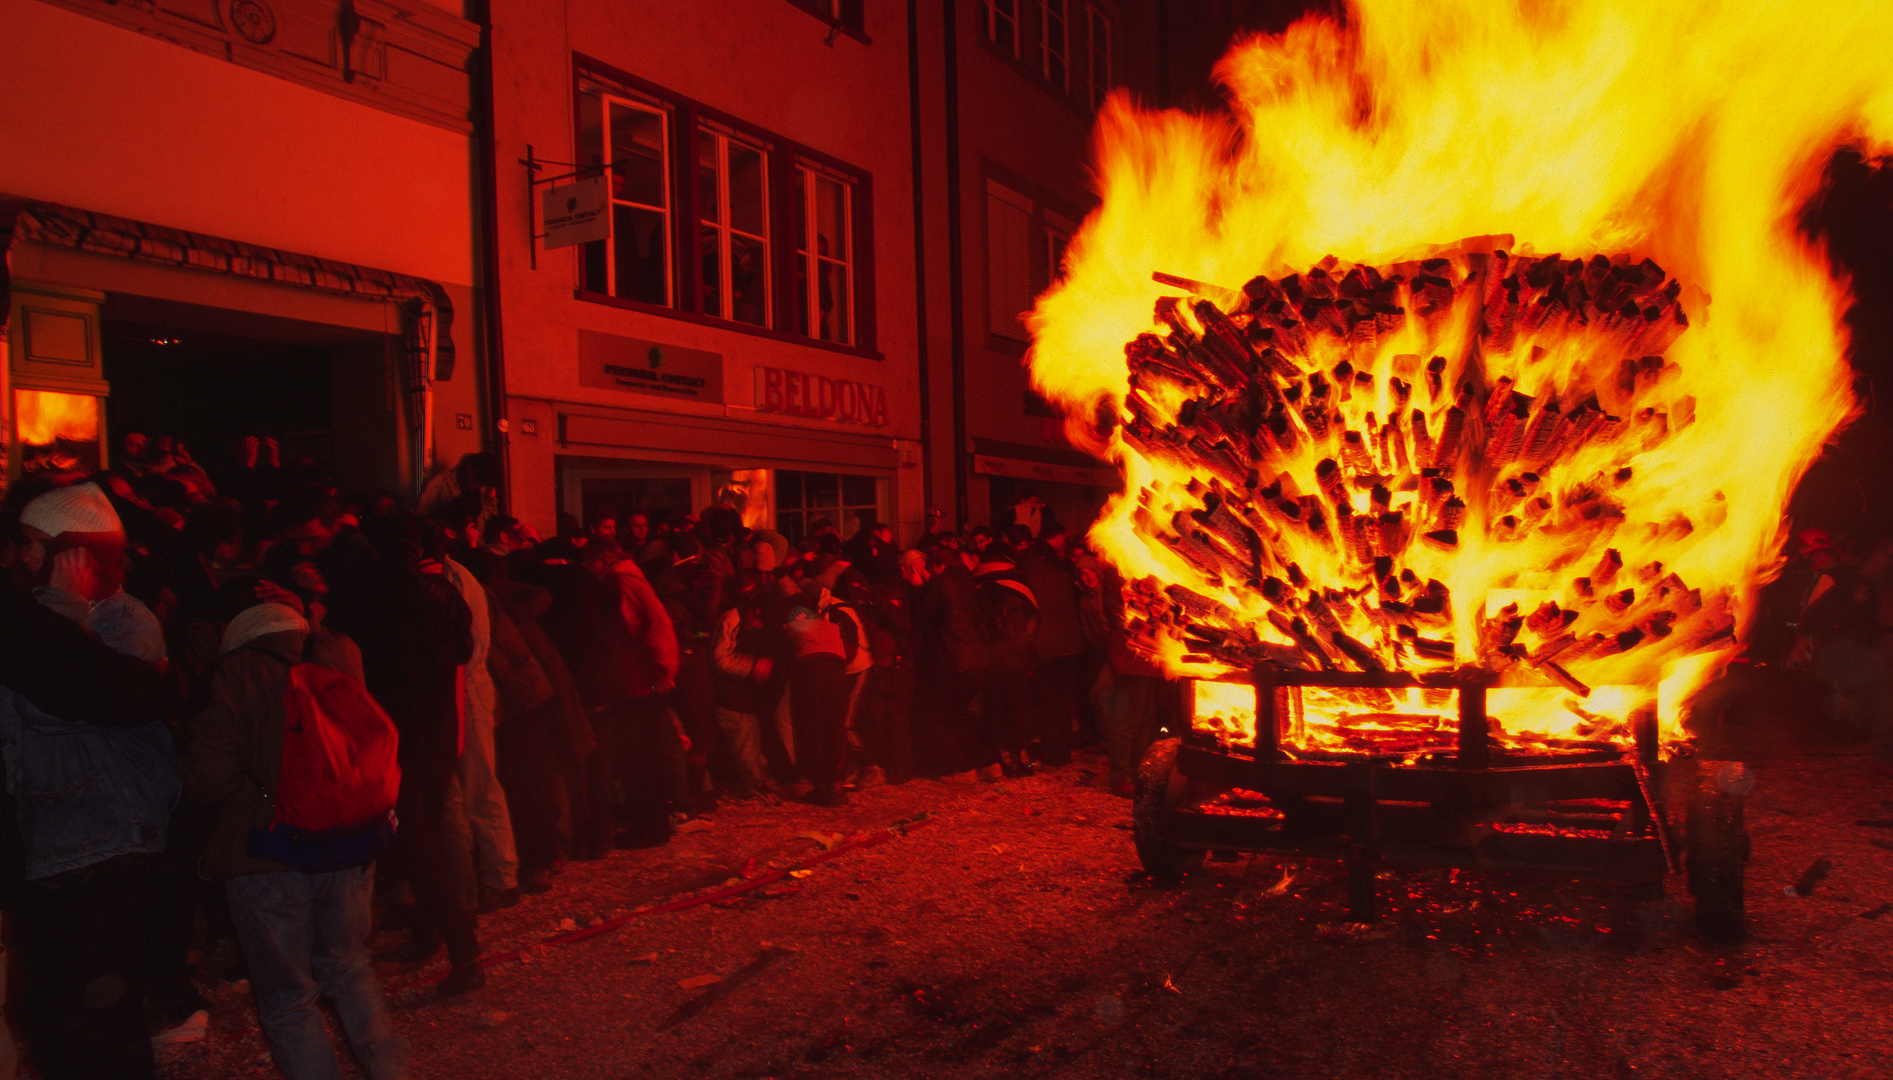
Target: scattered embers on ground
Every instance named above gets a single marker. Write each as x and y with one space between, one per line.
1015 936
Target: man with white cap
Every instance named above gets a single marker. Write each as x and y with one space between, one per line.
92 800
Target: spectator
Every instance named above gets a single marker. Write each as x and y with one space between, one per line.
479 820
529 731
577 626
302 933
745 654
415 632
639 631
1058 646
93 792
818 697
953 668
1009 622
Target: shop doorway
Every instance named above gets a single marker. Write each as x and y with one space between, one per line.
207 378
789 500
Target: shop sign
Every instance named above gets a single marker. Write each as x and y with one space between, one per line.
648 367
797 393
576 213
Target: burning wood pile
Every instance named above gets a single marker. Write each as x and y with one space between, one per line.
1328 481
1484 460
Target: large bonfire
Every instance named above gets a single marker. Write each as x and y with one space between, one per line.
1473 335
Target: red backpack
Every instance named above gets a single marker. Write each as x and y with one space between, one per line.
339 779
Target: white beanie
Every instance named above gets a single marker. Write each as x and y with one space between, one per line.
81 508
256 621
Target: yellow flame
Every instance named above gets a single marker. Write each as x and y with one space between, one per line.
45 416
1689 133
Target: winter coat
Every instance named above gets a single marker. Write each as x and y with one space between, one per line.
234 754
482 698
415 631
1060 633
520 683
1009 620
577 623
650 665
526 604
734 652
88 792
947 620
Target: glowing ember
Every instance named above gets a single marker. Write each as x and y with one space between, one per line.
1364 446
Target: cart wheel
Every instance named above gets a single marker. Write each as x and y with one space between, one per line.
1716 848
1159 787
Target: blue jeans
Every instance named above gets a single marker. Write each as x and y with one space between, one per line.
304 935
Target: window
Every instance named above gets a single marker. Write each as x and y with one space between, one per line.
1008 261
718 221
1025 253
1057 238
630 141
733 207
804 499
1054 44
1098 53
824 254
1002 25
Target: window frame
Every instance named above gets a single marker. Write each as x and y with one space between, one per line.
992 19
1063 83
1050 219
687 118
811 175
841 511
666 171
727 231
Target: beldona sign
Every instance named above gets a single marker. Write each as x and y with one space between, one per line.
780 390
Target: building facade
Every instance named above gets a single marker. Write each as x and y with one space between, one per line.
231 217
739 323
770 253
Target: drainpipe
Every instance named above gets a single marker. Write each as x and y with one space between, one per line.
497 436
920 251
956 261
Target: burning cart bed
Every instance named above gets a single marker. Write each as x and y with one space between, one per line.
1633 816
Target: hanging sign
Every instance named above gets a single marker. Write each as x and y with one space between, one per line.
780 390
576 213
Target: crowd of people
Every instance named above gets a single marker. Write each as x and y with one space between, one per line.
169 629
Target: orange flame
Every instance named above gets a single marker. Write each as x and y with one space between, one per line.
46 416
1689 134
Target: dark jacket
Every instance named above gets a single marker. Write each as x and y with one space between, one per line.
526 604
519 680
53 663
1060 633
577 624
234 754
1008 619
947 620
94 779
415 631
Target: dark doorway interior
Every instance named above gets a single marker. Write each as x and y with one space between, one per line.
209 390
329 395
